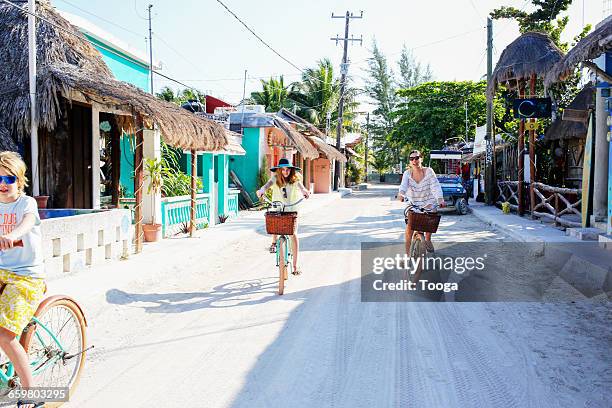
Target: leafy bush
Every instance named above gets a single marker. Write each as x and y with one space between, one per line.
175 182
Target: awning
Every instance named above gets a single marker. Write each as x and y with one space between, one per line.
301 143
445 154
351 151
330 152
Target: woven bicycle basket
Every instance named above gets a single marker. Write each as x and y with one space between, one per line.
423 222
281 223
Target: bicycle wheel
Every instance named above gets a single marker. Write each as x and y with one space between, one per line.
56 361
417 250
282 264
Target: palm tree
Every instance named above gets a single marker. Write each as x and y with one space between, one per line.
318 93
274 95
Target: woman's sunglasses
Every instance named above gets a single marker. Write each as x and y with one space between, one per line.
8 179
285 192
414 158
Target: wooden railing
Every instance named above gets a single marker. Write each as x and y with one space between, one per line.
561 205
176 213
555 202
508 193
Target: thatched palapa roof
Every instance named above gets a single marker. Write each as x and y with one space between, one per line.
301 143
69 66
315 136
565 129
590 47
531 53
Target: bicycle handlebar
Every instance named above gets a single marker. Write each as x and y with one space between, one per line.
276 204
412 207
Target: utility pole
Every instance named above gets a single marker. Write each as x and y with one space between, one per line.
151 48
243 103
490 137
343 71
466 121
32 80
366 145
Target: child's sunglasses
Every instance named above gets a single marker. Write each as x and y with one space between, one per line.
8 179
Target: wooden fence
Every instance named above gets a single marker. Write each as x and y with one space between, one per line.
560 205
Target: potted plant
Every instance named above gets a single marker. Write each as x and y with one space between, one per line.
153 167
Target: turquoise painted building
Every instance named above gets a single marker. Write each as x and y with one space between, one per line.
132 66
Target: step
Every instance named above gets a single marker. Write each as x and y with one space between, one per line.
584 234
605 241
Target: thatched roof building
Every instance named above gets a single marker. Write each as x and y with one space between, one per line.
301 143
564 129
70 67
315 136
531 53
591 46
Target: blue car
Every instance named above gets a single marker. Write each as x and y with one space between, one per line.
454 192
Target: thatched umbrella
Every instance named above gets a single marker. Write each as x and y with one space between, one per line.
591 46
70 67
6 141
533 53
529 56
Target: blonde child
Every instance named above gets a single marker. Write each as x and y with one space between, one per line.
287 188
21 267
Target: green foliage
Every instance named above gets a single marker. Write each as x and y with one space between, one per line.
181 96
154 170
412 72
544 18
274 95
381 161
263 175
175 182
354 172
434 112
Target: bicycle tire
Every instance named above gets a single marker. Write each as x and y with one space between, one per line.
282 264
417 250
29 335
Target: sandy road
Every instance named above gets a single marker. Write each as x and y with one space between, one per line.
210 331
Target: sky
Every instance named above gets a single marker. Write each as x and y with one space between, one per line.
199 43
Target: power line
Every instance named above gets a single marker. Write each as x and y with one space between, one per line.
258 37
41 18
102 18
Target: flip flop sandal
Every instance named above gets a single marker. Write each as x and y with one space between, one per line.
272 248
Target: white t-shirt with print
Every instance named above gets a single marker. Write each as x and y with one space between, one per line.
26 260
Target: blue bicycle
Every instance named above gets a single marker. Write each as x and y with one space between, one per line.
283 224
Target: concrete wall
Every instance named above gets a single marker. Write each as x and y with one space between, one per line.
76 242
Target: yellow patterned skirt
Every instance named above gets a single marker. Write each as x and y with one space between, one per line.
19 300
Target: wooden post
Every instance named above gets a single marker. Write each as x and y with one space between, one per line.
521 156
194 175
556 209
532 168
138 181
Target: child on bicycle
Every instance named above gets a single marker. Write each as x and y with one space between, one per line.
21 268
287 188
421 187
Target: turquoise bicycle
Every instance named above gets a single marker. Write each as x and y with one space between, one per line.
55 342
283 224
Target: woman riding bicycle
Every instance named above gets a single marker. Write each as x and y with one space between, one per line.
287 188
420 187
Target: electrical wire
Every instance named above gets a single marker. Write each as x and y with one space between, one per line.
102 19
41 18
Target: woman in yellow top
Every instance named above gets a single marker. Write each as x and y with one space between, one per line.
287 188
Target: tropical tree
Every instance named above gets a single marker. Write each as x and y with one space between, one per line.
412 72
435 111
274 94
381 88
318 94
181 96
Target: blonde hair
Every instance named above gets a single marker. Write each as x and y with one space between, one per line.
12 163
